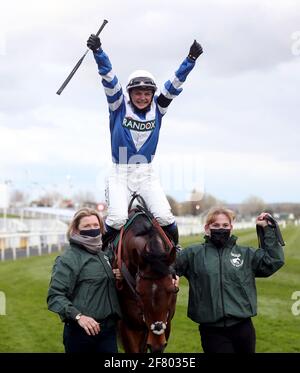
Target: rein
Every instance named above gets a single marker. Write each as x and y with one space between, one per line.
162 234
130 280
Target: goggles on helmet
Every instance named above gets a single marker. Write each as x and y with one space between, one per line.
141 82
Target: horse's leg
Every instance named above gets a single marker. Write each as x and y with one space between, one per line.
133 340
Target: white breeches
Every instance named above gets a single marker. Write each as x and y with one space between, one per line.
123 181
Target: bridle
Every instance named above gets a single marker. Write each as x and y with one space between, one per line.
128 277
141 209
132 281
158 327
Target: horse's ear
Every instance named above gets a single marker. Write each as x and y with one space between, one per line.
172 255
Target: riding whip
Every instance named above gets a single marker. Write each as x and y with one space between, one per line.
78 63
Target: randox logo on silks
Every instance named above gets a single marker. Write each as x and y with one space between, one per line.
236 261
136 125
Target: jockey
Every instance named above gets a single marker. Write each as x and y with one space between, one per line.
135 122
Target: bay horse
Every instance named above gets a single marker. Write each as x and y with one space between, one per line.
147 294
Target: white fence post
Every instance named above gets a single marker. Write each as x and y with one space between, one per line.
27 249
49 248
2 304
14 253
24 241
58 243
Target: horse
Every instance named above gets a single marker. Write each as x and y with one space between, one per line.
147 294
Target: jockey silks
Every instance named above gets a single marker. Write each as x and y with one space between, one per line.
135 134
134 138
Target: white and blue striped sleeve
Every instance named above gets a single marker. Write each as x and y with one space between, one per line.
172 88
112 87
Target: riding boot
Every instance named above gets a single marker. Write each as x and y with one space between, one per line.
108 236
172 232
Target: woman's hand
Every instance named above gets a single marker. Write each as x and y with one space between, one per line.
261 219
91 326
118 274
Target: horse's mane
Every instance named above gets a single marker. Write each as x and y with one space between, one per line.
154 253
141 225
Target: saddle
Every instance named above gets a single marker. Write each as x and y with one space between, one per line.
110 240
139 209
113 246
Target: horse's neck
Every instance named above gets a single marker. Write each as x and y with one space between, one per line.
130 258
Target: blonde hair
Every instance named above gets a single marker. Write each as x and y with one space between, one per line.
85 211
218 210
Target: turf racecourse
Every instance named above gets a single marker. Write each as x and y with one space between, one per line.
29 327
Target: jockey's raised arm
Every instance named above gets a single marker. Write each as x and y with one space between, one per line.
172 88
135 121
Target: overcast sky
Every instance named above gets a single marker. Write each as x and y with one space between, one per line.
233 132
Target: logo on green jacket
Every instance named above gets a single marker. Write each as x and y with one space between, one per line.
107 259
236 261
136 125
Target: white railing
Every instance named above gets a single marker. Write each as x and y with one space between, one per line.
12 244
30 241
64 215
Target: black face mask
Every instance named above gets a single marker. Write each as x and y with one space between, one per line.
219 237
90 232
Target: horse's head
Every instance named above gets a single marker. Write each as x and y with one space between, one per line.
156 289
148 295
158 306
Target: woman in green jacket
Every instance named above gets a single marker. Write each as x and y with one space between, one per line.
82 288
221 275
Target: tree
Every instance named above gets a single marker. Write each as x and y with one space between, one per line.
81 198
18 198
198 203
174 205
252 206
50 199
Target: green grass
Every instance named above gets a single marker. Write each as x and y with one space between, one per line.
30 327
